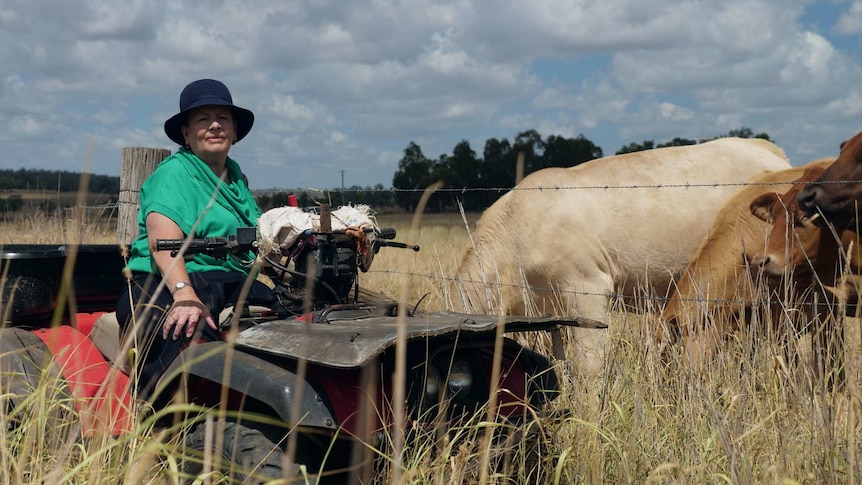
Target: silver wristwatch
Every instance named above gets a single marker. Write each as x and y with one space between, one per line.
181 284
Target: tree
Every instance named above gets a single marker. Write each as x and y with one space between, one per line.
464 170
635 147
264 201
414 173
441 170
746 132
530 142
568 152
743 132
498 169
677 142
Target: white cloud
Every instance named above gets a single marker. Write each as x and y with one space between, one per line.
132 22
851 22
28 127
813 59
672 112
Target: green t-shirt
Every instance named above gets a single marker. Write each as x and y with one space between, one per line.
184 189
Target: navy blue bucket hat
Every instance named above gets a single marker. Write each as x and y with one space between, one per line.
206 92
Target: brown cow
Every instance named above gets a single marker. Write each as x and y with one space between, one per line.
810 261
715 291
836 194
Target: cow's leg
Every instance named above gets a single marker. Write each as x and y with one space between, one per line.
587 297
589 347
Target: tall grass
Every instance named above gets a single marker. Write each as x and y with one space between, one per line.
743 419
748 417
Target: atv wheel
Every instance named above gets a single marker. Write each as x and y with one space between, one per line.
25 365
246 455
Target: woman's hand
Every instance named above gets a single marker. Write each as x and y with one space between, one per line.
186 314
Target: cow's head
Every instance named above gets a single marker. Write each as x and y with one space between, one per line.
794 242
837 192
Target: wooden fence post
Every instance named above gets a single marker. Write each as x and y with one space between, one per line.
519 168
138 163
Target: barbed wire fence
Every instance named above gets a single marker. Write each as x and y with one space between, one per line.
658 299
89 213
101 211
109 209
464 190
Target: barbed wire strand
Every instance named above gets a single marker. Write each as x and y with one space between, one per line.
686 185
609 295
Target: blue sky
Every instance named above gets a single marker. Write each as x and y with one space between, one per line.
347 85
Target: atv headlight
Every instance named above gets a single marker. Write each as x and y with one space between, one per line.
460 379
432 385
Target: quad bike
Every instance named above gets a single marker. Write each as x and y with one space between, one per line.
319 366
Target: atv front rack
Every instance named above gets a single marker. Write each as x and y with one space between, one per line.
355 342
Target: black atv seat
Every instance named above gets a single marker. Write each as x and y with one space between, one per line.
31 275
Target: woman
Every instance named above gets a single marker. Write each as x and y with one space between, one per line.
197 191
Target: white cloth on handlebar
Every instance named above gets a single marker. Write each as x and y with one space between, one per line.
279 228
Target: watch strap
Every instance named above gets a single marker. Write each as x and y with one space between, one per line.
180 285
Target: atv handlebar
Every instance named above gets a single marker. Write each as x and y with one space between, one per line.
246 240
393 244
386 233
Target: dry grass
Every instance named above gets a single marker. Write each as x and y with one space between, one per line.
741 421
61 227
442 239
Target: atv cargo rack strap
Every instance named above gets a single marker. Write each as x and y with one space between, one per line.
354 343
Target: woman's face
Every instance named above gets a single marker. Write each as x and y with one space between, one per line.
210 132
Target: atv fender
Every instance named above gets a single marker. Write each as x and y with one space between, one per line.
255 377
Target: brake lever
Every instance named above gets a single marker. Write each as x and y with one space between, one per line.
393 244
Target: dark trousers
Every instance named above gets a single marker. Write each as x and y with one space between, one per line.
142 310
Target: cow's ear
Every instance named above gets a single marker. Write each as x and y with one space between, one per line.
761 205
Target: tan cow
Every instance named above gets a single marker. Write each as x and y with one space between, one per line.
813 261
569 240
716 289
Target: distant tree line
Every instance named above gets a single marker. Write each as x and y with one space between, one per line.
57 181
490 176
676 142
13 203
487 177
50 181
378 197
